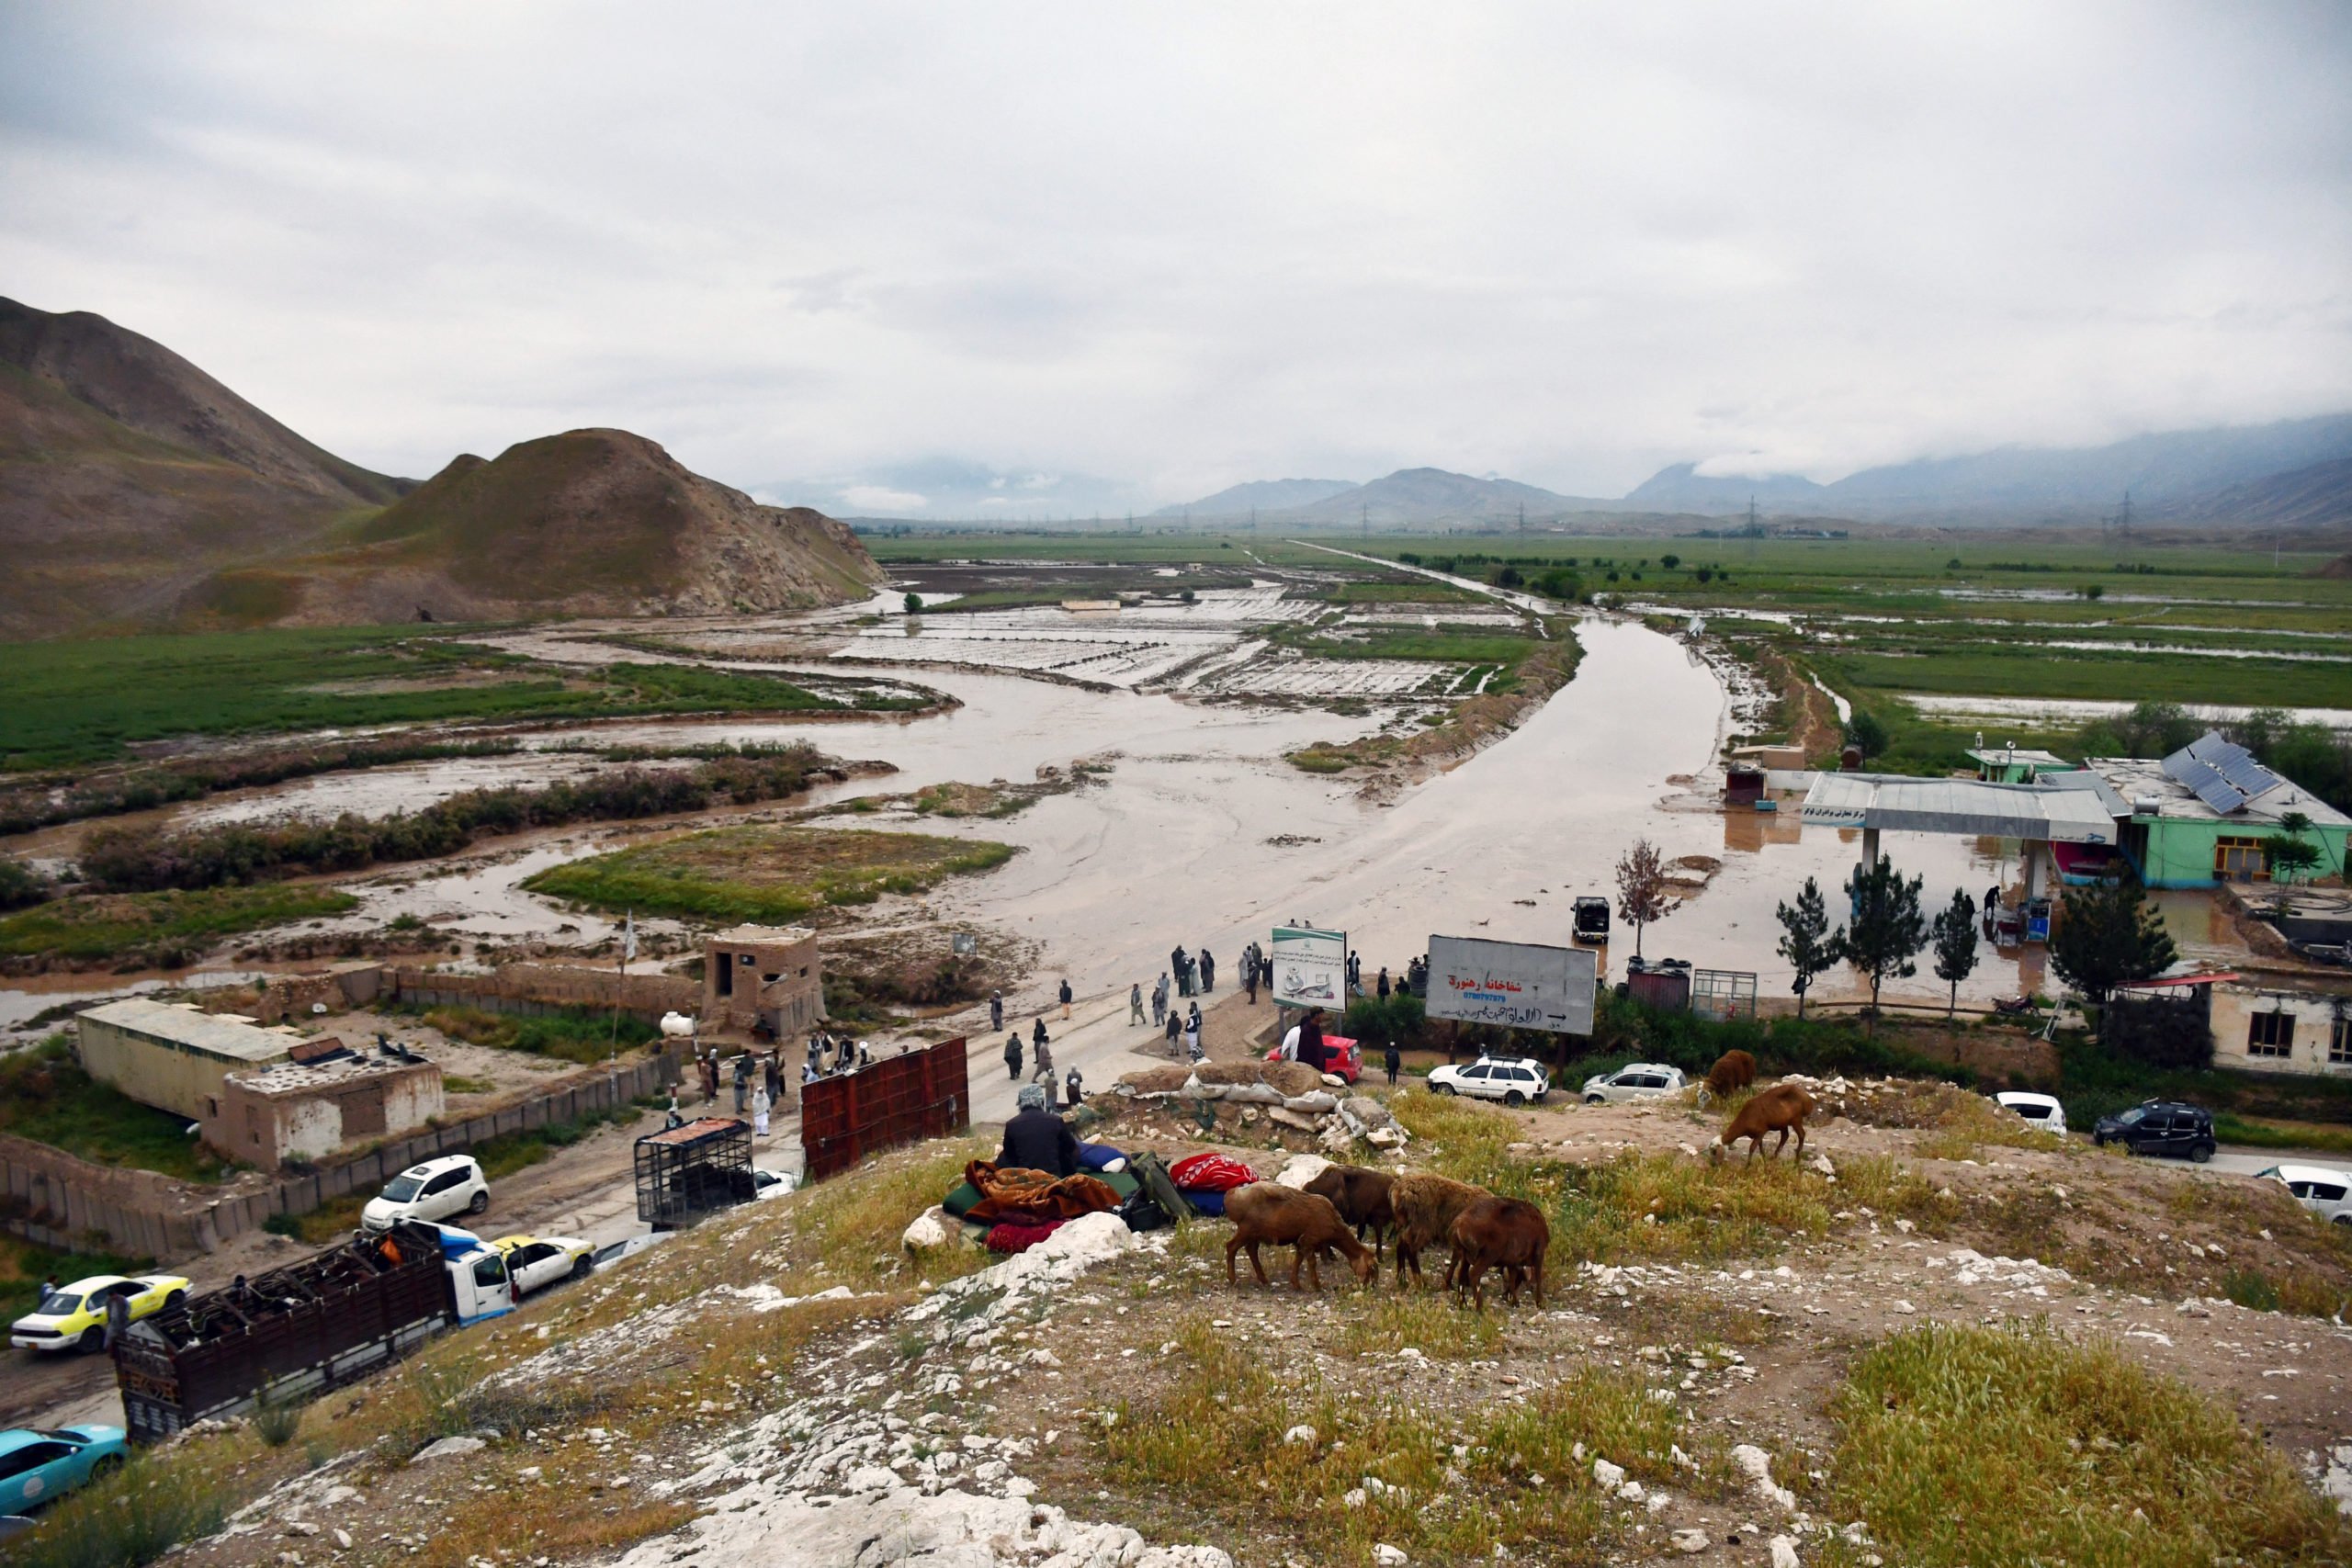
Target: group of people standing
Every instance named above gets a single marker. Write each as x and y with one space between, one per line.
1042 1054
758 1079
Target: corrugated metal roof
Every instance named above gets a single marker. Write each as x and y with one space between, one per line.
1968 808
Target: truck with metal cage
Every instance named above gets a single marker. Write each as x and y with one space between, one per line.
294 1331
693 1169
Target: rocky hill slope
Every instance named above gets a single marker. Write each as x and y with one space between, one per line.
591 522
127 475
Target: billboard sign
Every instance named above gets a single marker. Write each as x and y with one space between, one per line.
1515 983
1310 967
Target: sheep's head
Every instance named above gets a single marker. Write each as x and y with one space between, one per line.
1715 1151
1366 1263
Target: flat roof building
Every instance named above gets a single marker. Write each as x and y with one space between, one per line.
2204 814
276 1114
174 1055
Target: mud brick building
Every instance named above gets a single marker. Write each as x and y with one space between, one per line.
763 979
301 1112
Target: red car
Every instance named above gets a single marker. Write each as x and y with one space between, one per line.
1342 1055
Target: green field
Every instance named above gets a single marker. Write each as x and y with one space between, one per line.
45 1096
158 927
76 703
765 874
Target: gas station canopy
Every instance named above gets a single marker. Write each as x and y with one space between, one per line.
2068 813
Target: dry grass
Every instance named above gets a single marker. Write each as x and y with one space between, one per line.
1453 1484
1963 1445
1433 1324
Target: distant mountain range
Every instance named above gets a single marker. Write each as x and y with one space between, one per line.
1260 495
2291 474
137 490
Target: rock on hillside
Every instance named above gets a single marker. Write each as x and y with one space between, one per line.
591 522
127 474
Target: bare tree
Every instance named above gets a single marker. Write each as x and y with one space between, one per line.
1641 889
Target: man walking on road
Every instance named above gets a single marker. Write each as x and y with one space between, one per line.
1066 999
1044 1067
1160 1000
1012 1054
1135 1004
1175 1028
1208 970
996 1011
742 1083
1395 1060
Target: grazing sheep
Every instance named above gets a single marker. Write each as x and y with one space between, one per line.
1733 1071
1361 1198
1780 1109
1267 1212
1426 1207
1508 1234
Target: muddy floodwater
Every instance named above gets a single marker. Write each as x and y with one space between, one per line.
1202 834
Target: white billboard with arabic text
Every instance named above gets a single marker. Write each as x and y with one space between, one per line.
1516 985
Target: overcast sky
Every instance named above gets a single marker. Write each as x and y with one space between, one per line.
1181 246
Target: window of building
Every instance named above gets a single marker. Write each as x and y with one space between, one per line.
2270 1034
2339 1043
2239 860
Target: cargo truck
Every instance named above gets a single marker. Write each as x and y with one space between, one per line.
686 1171
287 1335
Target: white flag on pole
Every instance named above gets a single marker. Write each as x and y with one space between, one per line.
629 937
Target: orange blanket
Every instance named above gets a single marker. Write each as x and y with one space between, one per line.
1032 1197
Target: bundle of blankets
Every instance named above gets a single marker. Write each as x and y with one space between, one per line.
1019 1208
1206 1178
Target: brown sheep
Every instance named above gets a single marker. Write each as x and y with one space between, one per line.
1426 1207
1733 1071
1499 1233
1361 1198
1267 1212
1780 1109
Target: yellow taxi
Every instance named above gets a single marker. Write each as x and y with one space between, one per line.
73 1317
536 1261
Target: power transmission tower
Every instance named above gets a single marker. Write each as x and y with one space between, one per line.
1752 524
1367 517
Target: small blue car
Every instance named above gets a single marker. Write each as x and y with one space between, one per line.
36 1466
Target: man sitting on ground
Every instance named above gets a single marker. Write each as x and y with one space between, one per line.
1036 1139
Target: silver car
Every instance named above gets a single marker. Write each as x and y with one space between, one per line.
1637 1080
2325 1192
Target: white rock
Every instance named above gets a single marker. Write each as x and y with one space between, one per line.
1757 1465
873 1478
1785 1552
1302 1169
448 1448
1389 1556
342 1539
1632 1492
1821 1163
1691 1541
928 1233
1905 1307
1608 1476
1303 1434
1385 1137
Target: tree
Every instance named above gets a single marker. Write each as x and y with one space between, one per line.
2293 855
1641 889
1806 941
1955 944
2107 935
1669 562
1887 929
1866 734
914 604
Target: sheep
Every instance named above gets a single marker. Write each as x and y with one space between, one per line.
1425 1207
1780 1109
1361 1198
1265 1211
1733 1071
1499 1233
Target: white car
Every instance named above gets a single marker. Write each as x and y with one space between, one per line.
534 1262
2040 1111
772 1183
1635 1081
2326 1192
1512 1080
436 1189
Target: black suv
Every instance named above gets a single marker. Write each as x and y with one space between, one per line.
2159 1127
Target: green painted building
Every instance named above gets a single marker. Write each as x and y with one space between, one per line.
2206 814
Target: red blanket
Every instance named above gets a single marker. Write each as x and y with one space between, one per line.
1010 1238
1209 1173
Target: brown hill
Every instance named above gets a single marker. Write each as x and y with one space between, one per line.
588 523
127 475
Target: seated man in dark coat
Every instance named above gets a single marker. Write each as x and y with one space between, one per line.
1036 1139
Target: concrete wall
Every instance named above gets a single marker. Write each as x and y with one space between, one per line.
2314 1019
49 1197
154 1072
531 989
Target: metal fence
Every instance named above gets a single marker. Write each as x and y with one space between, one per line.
924 1094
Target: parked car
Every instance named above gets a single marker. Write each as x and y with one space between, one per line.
437 1190
2159 1127
2041 1110
1637 1080
772 1183
1514 1080
2326 1192
534 1262
73 1317
37 1466
1343 1057
1591 920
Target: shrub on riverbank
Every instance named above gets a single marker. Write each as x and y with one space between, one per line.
128 860
157 929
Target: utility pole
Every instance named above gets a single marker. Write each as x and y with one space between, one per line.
1367 517
1752 524
1522 517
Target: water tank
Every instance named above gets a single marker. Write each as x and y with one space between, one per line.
677 1026
2148 806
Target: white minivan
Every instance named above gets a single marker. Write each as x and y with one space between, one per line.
453 1184
2041 1110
